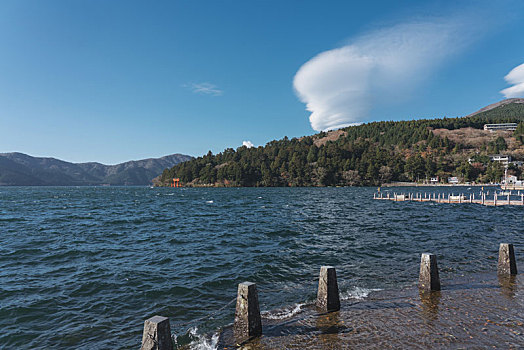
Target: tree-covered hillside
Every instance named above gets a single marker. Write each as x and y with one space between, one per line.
368 154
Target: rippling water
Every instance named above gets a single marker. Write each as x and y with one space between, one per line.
83 267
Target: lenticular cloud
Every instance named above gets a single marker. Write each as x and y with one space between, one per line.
340 86
515 78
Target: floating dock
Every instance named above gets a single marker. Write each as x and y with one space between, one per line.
482 198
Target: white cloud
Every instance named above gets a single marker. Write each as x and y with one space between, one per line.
205 89
515 78
341 86
248 144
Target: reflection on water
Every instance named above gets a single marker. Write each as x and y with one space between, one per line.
330 325
430 303
508 285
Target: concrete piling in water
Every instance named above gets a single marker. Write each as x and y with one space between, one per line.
248 323
157 334
507 264
327 296
428 278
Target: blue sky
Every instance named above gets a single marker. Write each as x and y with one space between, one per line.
111 81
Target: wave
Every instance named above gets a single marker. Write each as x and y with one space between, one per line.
358 293
284 313
11 219
198 341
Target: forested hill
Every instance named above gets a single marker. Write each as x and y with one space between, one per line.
368 154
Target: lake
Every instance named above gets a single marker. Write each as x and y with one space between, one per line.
83 267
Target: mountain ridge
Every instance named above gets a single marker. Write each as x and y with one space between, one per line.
496 105
22 169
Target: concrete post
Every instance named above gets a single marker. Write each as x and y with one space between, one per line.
248 323
495 199
509 200
157 334
438 201
327 296
507 264
428 278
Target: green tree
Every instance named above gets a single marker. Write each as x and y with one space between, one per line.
494 172
415 167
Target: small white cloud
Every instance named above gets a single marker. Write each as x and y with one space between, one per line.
515 78
248 144
341 86
205 89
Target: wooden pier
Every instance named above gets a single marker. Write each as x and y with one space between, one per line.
481 198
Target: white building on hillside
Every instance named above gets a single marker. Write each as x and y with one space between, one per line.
503 159
504 126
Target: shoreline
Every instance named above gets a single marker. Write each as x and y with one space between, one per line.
480 311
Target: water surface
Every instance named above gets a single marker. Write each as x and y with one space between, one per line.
82 267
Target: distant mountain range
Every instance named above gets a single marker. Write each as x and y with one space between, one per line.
18 169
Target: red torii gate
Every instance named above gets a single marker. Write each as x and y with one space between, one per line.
176 182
